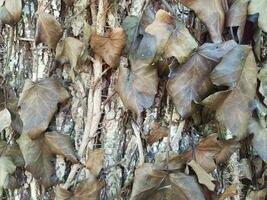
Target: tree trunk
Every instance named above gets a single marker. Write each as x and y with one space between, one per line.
95 116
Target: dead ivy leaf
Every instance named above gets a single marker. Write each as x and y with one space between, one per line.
39 155
138 85
60 144
173 38
208 153
236 16
259 141
38 103
10 12
110 47
238 71
152 183
259 7
263 83
203 177
5 119
39 160
10 159
211 12
95 161
72 51
157 132
191 83
48 30
87 189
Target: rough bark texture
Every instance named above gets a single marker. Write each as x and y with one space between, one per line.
96 117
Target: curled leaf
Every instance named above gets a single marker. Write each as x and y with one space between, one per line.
191 83
10 12
238 71
173 38
211 12
48 30
110 47
38 104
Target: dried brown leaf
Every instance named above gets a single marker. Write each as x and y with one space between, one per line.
10 12
38 103
211 12
95 161
39 155
138 85
109 48
87 189
48 30
208 153
173 38
72 51
238 71
60 144
191 83
152 183
157 132
202 176
236 16
39 160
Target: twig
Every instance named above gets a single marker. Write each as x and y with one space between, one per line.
109 98
74 170
26 39
169 139
100 77
137 134
9 49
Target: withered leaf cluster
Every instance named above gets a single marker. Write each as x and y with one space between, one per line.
220 76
